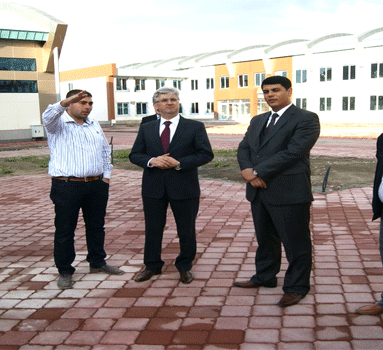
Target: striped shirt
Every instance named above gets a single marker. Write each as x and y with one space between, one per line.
75 150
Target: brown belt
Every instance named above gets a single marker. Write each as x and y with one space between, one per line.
85 179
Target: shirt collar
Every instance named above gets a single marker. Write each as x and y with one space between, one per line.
283 110
175 120
68 119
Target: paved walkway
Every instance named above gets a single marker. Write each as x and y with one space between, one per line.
106 312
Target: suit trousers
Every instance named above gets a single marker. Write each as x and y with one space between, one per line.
185 213
68 197
289 225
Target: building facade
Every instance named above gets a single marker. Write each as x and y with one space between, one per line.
30 44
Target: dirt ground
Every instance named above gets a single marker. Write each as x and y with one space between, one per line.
345 151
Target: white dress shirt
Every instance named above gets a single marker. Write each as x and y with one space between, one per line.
280 112
173 126
75 150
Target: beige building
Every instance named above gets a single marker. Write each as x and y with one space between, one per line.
30 45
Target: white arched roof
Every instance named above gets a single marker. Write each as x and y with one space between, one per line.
34 16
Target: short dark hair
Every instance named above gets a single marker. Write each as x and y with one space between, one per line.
75 92
277 79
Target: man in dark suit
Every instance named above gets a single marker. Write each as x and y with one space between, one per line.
170 151
274 161
377 209
150 118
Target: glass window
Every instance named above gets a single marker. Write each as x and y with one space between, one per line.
209 83
139 84
141 108
160 83
18 64
242 80
352 103
322 104
380 102
224 82
123 108
372 103
345 104
177 84
304 103
194 84
18 86
328 104
259 78
374 70
194 108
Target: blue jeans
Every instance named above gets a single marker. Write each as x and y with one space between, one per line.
69 197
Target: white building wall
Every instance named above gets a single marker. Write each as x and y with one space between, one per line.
19 111
97 87
362 87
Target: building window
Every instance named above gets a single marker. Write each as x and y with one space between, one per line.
123 108
325 74
376 70
282 73
70 86
224 82
194 84
373 102
18 64
325 104
18 86
139 84
141 108
259 78
348 103
301 76
160 83
209 83
121 84
180 109
194 108
348 72
177 84
301 103
209 107
242 80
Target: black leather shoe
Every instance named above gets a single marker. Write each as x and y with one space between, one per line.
289 299
249 284
186 277
147 275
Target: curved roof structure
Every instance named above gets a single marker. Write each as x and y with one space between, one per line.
269 51
40 18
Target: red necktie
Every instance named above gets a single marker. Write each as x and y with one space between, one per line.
165 136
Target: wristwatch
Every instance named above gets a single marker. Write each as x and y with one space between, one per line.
178 167
255 173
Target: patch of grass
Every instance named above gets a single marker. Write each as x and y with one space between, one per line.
344 172
5 171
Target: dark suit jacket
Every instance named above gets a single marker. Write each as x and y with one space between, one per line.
377 205
282 158
149 118
190 146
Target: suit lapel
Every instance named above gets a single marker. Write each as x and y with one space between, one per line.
281 121
178 134
155 131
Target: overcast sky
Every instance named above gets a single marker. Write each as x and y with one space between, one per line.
130 31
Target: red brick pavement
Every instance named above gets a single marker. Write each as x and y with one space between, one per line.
106 312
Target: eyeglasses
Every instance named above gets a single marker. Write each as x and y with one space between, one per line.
166 100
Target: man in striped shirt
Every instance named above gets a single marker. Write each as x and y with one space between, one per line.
80 168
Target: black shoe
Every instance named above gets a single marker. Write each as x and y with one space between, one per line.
249 284
289 299
186 277
107 269
147 275
65 282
